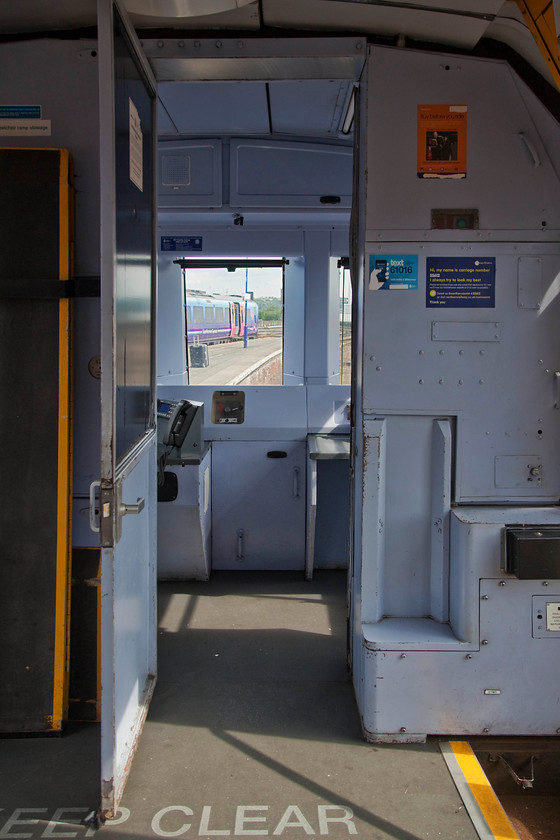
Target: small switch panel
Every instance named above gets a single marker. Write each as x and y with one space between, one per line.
228 407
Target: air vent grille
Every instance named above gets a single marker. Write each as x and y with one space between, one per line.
176 170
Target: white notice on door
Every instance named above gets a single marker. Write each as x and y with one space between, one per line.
553 616
136 145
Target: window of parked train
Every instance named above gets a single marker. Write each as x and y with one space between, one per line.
235 312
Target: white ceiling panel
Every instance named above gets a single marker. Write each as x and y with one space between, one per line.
184 8
196 14
40 15
442 21
213 109
304 109
313 108
445 22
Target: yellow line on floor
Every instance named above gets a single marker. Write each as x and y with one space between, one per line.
481 789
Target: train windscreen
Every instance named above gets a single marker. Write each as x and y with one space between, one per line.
234 321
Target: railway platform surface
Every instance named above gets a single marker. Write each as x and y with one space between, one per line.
229 361
252 732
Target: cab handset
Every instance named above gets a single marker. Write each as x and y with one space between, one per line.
179 423
179 431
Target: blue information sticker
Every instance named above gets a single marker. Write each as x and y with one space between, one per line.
181 243
20 112
461 282
393 271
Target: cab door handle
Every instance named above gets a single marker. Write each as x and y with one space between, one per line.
125 510
94 506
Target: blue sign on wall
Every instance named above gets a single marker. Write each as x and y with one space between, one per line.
181 243
393 271
461 282
20 112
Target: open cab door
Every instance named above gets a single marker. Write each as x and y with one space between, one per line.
127 491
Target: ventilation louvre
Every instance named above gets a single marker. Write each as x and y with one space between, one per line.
175 170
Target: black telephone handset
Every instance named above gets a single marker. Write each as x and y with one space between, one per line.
179 423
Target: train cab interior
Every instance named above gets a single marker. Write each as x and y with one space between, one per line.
280 365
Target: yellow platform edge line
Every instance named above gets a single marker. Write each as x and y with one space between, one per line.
482 791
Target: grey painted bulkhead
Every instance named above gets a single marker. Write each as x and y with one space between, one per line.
71 81
459 410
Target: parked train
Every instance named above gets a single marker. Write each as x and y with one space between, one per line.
212 318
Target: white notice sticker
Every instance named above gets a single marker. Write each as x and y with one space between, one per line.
136 143
553 616
25 128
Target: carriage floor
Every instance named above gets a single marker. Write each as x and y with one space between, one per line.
253 731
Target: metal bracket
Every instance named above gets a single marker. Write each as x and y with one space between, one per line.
526 783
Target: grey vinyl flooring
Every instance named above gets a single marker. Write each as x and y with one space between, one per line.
252 731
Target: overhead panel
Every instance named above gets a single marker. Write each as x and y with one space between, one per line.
314 108
213 109
441 21
190 173
289 174
199 14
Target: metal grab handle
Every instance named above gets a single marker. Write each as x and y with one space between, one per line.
124 510
296 482
531 150
94 506
240 534
557 389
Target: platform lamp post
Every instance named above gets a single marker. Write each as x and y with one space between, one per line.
245 312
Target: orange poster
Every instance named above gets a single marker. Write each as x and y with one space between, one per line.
442 141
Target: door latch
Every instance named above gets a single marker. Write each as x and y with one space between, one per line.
124 510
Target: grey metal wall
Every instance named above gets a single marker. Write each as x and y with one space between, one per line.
60 76
460 392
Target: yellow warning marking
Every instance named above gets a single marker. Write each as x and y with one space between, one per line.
64 491
483 793
539 17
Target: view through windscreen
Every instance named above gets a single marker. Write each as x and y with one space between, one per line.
234 323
